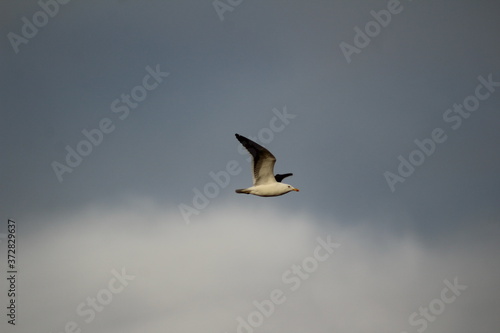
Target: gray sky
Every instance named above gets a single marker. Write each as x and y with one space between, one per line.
386 113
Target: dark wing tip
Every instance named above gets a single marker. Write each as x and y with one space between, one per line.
256 150
280 177
247 143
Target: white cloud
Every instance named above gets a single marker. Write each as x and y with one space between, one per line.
201 277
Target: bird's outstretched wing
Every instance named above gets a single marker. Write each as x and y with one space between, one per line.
263 161
280 177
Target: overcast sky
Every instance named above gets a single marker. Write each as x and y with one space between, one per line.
119 159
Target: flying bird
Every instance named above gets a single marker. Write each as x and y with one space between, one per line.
265 183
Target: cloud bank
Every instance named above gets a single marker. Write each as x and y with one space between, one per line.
140 268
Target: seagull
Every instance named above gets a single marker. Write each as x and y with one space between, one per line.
265 184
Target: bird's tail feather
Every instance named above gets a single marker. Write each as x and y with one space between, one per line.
242 190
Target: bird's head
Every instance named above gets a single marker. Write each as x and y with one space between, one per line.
290 188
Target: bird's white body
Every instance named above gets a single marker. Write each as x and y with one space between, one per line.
265 183
268 190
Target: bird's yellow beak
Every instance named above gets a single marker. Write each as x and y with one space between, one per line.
296 189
